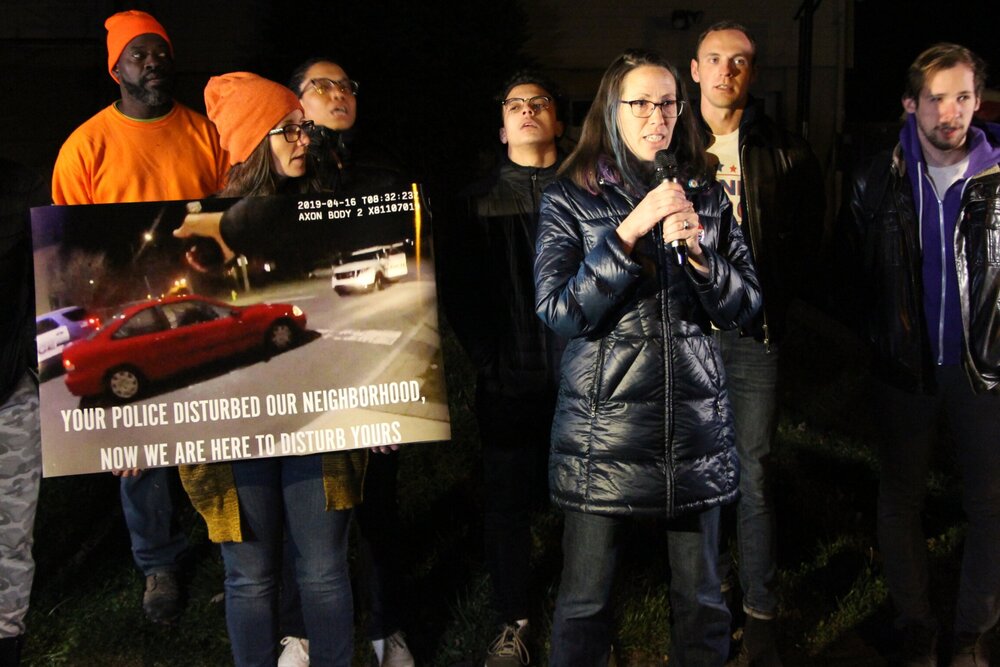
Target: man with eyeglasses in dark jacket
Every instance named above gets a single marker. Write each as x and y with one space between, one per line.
490 296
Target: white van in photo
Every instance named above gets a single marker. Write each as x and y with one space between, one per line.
369 268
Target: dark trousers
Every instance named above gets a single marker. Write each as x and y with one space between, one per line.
379 544
752 378
581 629
515 435
910 424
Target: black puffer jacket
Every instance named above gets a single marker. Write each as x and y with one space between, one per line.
643 424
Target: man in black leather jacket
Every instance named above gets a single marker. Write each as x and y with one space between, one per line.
924 220
774 183
490 298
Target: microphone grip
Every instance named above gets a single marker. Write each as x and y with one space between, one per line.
679 246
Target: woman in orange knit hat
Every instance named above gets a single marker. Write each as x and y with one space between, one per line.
251 505
262 125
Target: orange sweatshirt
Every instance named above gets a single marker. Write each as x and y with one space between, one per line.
112 159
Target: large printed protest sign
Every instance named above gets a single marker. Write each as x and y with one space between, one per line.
269 326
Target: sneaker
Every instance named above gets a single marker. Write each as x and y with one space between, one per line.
971 650
919 646
758 648
510 648
162 598
392 651
295 653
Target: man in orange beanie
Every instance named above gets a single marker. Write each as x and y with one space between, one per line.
144 147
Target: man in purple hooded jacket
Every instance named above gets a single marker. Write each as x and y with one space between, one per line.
926 222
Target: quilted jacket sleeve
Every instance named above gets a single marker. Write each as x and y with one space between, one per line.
579 279
730 294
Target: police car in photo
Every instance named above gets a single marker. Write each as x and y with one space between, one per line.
369 268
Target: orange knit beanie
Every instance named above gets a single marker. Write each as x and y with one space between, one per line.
244 107
123 27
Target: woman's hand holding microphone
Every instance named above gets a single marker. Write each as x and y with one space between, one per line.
665 203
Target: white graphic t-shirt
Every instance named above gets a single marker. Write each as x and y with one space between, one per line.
726 149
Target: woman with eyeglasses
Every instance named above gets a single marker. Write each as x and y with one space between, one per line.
251 505
643 425
347 161
271 162
342 157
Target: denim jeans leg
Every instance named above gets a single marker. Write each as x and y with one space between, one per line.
909 427
700 630
318 541
148 507
581 628
752 381
974 421
252 565
290 621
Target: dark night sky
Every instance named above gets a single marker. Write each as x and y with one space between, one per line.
888 35
428 70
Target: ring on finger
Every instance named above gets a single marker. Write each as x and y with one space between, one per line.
687 225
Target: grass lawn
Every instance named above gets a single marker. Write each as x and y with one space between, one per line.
834 610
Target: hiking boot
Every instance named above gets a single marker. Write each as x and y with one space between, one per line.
759 648
919 646
971 650
392 651
510 648
162 598
295 653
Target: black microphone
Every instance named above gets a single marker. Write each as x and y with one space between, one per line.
667 169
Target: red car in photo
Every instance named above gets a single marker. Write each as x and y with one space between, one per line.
153 340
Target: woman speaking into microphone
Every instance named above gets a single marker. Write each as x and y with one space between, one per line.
643 425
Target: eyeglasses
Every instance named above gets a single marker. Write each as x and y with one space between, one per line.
537 104
293 132
324 86
644 108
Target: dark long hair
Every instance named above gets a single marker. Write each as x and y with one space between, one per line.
601 140
255 176
298 75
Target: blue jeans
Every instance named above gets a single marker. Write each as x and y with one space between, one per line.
278 495
910 423
148 505
581 629
378 531
752 379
